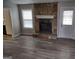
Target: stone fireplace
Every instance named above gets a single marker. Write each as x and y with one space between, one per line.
44 23
45 11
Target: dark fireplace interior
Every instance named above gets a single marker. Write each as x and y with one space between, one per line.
45 26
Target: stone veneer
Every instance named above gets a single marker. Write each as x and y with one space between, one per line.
46 9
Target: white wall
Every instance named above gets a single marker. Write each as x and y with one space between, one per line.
65 31
14 17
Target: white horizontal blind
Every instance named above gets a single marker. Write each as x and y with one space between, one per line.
67 17
27 18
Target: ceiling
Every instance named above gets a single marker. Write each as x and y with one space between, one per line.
35 1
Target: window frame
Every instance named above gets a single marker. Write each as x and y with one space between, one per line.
61 14
63 17
27 19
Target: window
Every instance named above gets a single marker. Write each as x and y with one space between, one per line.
67 17
27 18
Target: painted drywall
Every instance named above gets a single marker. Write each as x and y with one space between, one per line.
14 17
65 31
7 21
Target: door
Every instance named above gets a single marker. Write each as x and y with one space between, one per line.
67 20
7 21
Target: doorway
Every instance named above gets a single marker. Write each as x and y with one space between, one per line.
7 25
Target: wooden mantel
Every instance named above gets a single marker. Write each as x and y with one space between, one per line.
45 16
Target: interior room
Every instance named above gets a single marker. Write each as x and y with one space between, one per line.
39 29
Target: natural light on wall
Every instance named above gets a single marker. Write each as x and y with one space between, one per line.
27 18
68 17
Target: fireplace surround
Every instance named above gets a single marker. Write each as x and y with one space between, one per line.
44 23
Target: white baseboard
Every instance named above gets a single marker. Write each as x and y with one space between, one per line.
65 38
